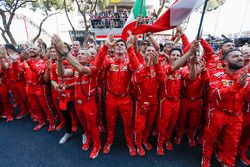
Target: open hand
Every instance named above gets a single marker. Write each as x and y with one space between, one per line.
58 44
243 77
25 55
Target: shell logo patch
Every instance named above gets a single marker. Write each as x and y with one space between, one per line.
114 67
227 82
124 68
153 74
76 74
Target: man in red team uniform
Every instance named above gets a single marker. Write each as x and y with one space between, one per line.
191 104
37 90
55 92
146 83
85 91
118 90
226 97
170 94
16 81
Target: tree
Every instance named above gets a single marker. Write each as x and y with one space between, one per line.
8 9
50 8
66 10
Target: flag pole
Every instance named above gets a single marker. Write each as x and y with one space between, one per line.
201 21
141 7
140 13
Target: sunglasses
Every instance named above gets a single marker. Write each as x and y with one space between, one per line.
145 44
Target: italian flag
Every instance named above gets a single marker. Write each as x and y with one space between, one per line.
131 21
174 16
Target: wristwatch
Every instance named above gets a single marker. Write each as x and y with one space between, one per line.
64 54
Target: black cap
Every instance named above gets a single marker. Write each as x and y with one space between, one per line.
173 49
231 50
11 46
120 40
226 40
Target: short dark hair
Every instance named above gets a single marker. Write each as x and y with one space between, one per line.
120 40
143 41
12 47
231 50
173 49
226 41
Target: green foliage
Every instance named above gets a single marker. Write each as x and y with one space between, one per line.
51 5
102 4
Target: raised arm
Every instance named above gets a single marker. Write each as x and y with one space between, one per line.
77 65
133 60
154 42
208 50
182 60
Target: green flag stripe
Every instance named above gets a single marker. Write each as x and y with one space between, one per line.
136 8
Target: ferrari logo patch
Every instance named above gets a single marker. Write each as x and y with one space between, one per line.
227 82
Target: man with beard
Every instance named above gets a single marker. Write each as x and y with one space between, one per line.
214 63
226 97
118 89
36 68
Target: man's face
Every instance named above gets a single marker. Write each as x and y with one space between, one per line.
149 52
93 53
53 54
33 50
246 55
91 46
168 46
227 46
234 60
174 56
82 57
120 48
76 46
144 46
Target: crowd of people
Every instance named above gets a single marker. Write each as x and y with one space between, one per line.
108 18
203 95
111 19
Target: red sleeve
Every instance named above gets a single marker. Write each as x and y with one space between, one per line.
159 72
94 71
99 61
133 60
15 68
184 40
205 78
208 50
53 75
167 69
140 58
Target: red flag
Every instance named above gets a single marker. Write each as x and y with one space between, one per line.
174 16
